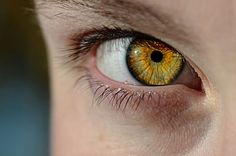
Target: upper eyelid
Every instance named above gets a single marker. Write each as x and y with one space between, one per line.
83 42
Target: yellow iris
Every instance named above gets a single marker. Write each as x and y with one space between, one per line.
153 62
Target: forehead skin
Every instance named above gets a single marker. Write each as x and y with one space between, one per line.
213 25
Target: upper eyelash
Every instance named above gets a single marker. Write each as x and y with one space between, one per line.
82 43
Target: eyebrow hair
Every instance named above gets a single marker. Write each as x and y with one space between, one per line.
130 12
117 9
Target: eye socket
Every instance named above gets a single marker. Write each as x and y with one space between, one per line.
103 57
145 61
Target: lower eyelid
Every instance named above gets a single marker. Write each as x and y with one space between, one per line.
171 98
163 97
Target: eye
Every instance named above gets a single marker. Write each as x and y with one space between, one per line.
130 70
145 61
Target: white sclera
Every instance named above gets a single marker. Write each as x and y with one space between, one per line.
111 60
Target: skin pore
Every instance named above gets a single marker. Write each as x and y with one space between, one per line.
197 125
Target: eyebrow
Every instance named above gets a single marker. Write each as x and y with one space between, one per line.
130 12
117 9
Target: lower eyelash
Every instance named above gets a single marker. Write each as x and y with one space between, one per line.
122 99
119 98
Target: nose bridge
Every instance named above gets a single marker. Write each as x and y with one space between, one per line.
218 27
218 20
214 24
217 33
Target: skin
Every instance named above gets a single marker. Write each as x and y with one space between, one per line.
209 128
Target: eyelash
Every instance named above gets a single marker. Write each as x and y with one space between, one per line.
83 42
120 97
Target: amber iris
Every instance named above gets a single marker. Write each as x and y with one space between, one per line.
153 62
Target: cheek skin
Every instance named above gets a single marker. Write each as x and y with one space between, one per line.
82 129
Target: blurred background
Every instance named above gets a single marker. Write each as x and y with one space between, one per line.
24 92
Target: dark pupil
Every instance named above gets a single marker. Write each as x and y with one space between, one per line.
156 56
